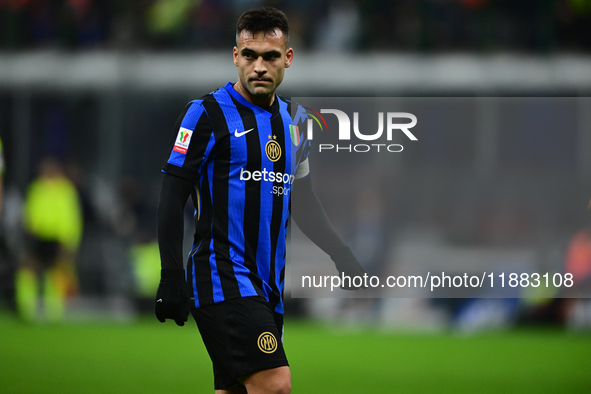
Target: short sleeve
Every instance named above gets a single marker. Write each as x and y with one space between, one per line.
192 143
300 138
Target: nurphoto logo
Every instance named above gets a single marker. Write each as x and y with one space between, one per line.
393 124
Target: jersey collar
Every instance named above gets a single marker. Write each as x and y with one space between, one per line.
230 88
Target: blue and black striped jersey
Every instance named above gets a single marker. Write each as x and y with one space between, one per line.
243 160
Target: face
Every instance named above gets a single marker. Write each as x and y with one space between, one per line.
261 60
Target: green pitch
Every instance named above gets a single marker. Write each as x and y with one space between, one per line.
149 357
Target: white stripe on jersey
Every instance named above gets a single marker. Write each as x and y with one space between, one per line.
303 169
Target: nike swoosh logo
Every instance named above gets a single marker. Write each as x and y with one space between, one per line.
159 300
237 134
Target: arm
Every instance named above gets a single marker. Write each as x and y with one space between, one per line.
308 212
173 196
172 298
192 133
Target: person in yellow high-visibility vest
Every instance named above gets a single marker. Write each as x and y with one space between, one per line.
53 223
2 168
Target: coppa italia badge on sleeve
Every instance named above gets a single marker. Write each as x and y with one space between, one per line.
182 140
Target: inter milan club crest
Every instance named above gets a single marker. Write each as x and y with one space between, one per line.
273 149
295 134
267 342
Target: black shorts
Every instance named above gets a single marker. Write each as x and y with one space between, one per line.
242 336
45 253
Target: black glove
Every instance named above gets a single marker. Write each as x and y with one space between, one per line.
172 297
347 264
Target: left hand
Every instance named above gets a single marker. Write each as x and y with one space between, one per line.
348 265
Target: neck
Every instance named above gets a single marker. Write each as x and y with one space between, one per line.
260 101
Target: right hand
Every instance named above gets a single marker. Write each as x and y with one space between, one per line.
172 298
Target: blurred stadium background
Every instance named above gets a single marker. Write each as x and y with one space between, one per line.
99 85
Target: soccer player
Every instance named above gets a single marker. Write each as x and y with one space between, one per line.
238 155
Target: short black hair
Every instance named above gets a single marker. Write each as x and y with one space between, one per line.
265 19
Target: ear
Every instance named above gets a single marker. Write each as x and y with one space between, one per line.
288 57
235 55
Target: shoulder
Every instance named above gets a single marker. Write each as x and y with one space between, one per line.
283 99
216 102
297 112
196 110
284 103
206 101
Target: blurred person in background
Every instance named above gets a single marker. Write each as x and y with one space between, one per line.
577 262
53 225
237 154
3 248
2 169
